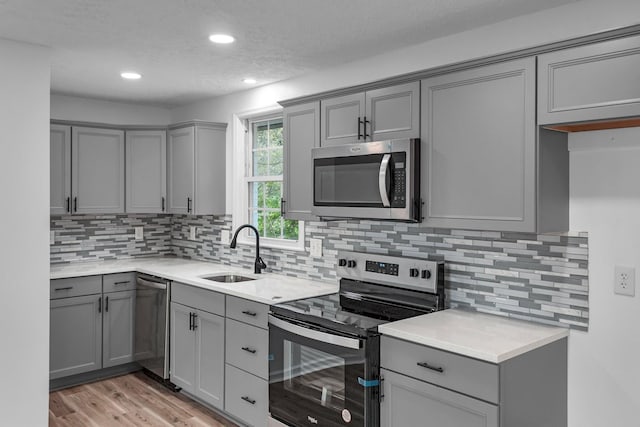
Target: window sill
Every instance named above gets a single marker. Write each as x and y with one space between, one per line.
268 243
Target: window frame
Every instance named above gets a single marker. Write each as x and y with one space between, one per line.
243 139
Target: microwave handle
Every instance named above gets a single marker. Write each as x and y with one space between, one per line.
382 180
315 335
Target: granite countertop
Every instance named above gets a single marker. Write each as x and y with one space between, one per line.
482 336
268 288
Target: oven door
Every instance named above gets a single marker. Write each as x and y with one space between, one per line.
373 180
314 375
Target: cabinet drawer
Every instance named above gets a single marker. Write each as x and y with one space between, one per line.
251 312
203 299
118 282
247 348
246 397
75 286
469 376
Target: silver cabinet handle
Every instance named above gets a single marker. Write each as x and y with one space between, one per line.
382 180
315 335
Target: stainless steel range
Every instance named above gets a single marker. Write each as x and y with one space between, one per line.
324 366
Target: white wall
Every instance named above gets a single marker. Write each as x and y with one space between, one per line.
24 230
562 23
604 364
94 110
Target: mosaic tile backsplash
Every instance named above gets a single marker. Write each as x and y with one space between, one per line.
541 278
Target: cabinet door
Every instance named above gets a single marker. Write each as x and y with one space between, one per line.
409 402
60 169
593 82
180 192
183 348
146 171
341 120
479 148
301 134
97 170
117 328
210 171
393 112
210 345
75 335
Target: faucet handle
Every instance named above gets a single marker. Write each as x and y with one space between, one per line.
260 264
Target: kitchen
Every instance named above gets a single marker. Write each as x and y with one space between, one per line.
601 375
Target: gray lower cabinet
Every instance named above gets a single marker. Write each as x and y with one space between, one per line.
387 113
118 328
593 82
196 165
247 397
480 156
75 335
409 402
197 353
427 386
60 169
301 134
97 170
146 165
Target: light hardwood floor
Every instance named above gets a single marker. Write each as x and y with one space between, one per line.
128 400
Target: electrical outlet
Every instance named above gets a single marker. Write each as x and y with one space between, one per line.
139 232
315 247
225 237
625 281
192 232
52 237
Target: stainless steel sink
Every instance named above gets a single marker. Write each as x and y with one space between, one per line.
228 278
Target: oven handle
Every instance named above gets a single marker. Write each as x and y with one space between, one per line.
315 335
382 180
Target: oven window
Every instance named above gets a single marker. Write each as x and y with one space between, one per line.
314 375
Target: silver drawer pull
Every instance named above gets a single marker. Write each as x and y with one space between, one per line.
64 289
122 283
250 313
433 368
248 399
250 350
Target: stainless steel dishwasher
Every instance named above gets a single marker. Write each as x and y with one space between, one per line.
151 344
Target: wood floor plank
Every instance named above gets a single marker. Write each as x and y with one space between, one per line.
132 400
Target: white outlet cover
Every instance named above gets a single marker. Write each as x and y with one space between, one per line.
192 232
139 232
624 281
315 247
225 237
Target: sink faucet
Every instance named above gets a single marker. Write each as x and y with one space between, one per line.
259 264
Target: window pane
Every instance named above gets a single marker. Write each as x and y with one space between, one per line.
290 229
260 135
260 162
273 225
275 136
275 162
273 194
256 195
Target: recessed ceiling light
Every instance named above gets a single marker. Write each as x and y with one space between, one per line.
249 81
221 38
130 75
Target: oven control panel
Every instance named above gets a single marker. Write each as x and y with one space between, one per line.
404 272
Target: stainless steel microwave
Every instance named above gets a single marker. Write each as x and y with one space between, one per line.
371 180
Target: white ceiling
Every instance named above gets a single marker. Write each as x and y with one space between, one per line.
167 40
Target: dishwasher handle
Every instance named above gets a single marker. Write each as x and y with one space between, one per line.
149 284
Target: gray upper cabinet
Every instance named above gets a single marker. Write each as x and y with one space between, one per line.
117 328
479 148
593 82
196 169
97 170
60 169
393 112
146 176
301 134
75 335
387 113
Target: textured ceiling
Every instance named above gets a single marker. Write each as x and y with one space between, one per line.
166 40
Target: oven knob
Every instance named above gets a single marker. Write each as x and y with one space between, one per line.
351 263
426 274
342 262
414 272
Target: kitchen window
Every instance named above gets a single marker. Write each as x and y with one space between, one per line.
264 150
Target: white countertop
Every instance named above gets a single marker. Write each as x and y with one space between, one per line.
268 288
482 336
